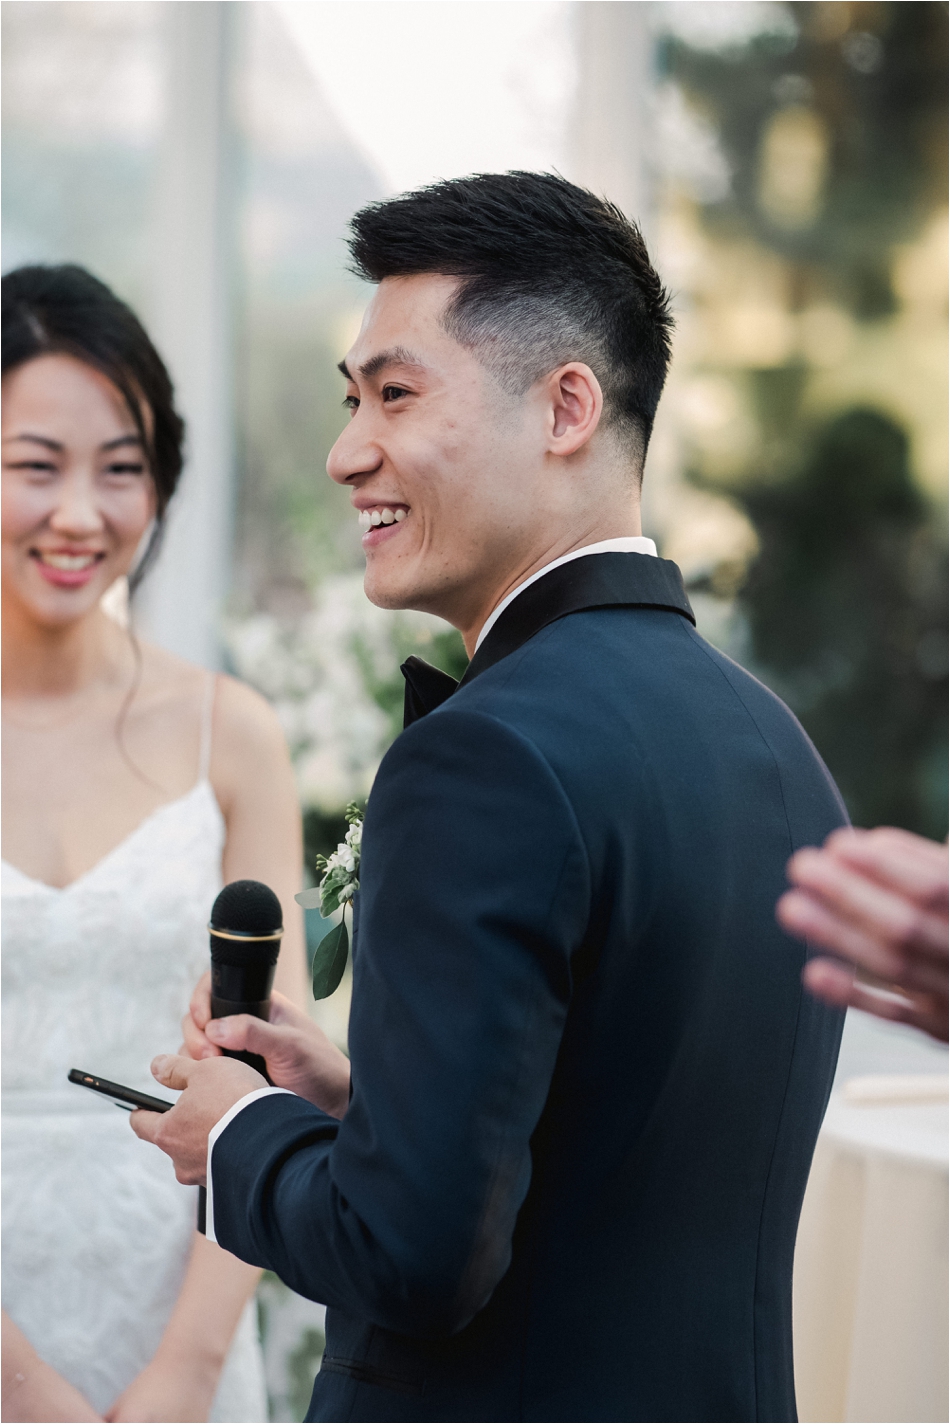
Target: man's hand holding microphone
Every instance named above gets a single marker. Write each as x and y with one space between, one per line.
224 1046
298 1054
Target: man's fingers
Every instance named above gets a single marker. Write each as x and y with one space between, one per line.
285 1011
833 984
836 985
244 1032
195 1044
898 860
880 912
145 1124
200 1006
172 1070
809 917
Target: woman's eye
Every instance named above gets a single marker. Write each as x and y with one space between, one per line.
351 402
125 469
34 469
391 393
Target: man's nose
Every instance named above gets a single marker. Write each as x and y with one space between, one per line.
354 454
77 511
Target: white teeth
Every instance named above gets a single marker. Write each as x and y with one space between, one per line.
372 518
70 563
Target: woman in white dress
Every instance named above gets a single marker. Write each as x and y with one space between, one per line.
134 785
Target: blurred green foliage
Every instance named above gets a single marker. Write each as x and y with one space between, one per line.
846 606
846 603
875 76
303 1363
294 525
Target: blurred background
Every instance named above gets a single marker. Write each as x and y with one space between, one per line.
788 164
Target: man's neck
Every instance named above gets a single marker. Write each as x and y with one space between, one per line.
504 587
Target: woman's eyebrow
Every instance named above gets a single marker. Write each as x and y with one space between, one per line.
122 440
37 440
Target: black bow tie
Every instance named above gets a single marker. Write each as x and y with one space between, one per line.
427 687
593 581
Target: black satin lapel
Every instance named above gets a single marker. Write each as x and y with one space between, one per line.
592 581
427 687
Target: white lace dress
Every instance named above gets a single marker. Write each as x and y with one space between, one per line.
96 1230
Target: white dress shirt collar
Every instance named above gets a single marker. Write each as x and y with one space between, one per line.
629 544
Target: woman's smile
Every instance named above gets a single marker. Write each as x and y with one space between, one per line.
67 568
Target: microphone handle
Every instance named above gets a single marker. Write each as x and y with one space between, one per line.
222 1009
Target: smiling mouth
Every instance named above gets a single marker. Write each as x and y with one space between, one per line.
66 563
382 514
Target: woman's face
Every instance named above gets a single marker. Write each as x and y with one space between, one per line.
77 491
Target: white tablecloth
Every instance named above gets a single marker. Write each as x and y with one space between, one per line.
870 1295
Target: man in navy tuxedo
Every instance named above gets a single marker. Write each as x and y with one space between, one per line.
564 1177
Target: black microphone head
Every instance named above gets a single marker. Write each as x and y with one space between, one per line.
245 942
246 907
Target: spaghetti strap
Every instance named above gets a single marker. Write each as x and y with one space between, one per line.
207 710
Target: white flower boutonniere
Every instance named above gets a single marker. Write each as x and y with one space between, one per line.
339 883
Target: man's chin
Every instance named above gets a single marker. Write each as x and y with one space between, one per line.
401 593
386 592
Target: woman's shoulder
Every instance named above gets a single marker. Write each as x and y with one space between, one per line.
240 712
243 719
250 761
243 722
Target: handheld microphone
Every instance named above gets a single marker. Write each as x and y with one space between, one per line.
245 932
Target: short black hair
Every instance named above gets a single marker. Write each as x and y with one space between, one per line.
550 273
64 308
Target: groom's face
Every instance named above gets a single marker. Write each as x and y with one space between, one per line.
444 466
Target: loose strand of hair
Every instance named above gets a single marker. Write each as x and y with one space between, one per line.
125 709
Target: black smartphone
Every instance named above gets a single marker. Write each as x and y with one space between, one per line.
122 1097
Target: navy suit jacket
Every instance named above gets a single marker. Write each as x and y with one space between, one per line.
586 1080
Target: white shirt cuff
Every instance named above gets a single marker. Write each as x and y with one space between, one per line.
216 1132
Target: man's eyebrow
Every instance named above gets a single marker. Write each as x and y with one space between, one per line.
37 440
394 356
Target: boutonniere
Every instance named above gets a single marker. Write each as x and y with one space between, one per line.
340 881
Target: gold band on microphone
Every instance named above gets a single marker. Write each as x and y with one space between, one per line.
245 938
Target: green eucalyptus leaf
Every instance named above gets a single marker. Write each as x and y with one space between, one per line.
330 901
309 899
329 961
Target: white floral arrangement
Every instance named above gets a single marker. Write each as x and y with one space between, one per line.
319 671
340 880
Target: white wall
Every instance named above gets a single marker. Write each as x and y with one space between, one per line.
609 130
190 319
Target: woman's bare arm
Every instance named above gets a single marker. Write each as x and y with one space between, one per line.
180 1380
32 1390
254 782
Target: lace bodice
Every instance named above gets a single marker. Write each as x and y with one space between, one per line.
97 975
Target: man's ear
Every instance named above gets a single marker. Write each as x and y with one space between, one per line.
575 405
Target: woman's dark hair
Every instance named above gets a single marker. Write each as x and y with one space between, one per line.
550 273
66 309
